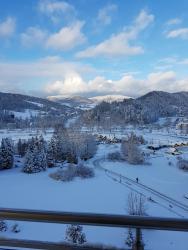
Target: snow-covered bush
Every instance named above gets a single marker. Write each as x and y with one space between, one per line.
115 156
35 158
182 164
84 172
3 226
57 175
75 234
72 171
6 154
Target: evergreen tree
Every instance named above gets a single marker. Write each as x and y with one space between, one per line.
3 226
51 152
6 154
58 147
75 235
36 157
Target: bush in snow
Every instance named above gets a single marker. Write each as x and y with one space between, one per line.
84 172
115 156
6 154
182 164
65 175
3 226
72 171
35 158
57 175
75 235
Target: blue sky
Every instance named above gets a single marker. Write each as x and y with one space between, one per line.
93 47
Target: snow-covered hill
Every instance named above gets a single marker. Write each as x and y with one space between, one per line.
23 105
73 101
84 102
109 98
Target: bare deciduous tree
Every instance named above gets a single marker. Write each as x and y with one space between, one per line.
136 204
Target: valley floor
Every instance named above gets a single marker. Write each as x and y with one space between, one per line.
105 193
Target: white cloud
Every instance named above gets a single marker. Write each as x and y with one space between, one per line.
178 33
67 38
170 62
104 16
73 84
33 36
57 10
174 21
7 27
36 74
119 44
54 76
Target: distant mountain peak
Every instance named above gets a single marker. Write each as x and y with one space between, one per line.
109 98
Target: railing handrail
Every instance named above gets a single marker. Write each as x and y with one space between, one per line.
107 220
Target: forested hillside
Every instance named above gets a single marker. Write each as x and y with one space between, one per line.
143 110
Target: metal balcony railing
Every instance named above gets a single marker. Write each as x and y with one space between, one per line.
107 220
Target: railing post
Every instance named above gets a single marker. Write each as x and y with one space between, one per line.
138 245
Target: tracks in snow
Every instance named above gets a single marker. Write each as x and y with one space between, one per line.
133 185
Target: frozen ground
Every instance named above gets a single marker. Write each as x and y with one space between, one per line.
101 194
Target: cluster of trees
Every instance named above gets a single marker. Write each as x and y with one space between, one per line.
131 150
67 145
42 119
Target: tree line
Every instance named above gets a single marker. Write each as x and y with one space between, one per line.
38 154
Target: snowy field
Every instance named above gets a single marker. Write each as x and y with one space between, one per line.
16 134
105 193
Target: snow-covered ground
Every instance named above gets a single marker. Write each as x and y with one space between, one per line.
16 134
104 193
